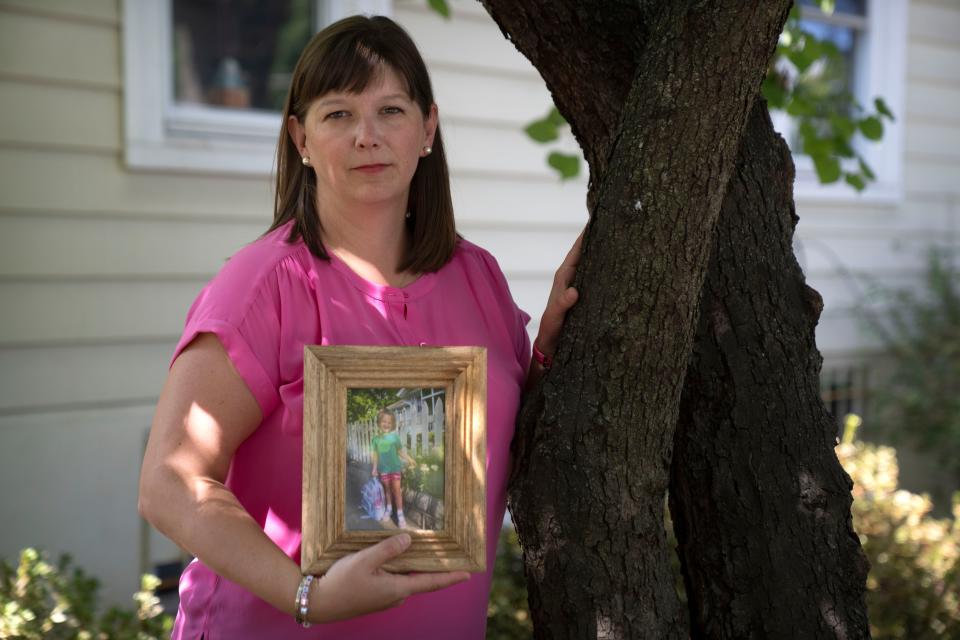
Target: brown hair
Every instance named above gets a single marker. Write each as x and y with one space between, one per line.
347 56
389 414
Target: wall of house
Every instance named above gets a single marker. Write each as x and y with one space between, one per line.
847 245
99 263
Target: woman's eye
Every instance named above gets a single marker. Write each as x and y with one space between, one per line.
392 110
334 115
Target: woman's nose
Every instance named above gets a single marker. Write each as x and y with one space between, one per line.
367 133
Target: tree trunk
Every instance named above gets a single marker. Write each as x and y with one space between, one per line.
594 445
655 97
760 504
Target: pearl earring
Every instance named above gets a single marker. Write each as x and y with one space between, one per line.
407 216
427 151
305 160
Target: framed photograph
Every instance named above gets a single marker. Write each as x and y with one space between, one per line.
394 439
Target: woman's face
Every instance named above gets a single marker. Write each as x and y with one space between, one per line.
386 423
365 147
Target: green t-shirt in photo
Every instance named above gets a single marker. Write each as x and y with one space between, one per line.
387 447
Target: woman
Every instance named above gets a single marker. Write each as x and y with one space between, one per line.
363 250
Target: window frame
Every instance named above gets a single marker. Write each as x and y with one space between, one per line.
881 72
162 135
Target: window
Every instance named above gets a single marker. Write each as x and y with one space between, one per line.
204 79
871 36
844 389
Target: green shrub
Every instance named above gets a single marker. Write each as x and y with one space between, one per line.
508 616
920 331
426 476
41 601
914 581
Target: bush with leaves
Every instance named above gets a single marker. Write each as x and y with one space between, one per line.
42 600
508 616
914 580
920 330
426 475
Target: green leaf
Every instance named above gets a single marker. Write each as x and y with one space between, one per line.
842 148
828 6
801 56
830 50
866 170
441 7
542 130
812 144
773 91
807 129
855 181
843 125
883 109
813 48
555 118
568 166
800 106
828 168
819 147
872 128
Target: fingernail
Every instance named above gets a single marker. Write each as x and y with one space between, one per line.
405 540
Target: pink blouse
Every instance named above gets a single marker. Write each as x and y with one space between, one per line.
268 301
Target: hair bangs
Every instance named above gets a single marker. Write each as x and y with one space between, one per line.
351 66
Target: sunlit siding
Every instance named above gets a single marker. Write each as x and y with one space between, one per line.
97 265
847 248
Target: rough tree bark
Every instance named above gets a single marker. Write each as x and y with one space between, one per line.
760 504
594 441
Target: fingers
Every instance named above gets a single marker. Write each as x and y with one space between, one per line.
384 550
424 582
553 317
568 268
573 256
567 299
562 297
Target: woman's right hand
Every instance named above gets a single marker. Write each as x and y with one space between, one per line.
357 584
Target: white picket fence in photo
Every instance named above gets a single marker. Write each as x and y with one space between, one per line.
410 424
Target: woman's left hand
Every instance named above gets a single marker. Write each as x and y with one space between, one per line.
562 297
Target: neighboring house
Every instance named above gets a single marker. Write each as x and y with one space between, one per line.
117 205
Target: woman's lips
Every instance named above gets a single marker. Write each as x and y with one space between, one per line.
371 168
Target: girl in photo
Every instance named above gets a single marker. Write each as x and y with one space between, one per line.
388 451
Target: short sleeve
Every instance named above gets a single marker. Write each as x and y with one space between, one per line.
244 315
516 318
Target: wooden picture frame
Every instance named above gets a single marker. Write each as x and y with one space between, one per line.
330 372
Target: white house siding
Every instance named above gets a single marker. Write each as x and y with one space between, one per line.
97 267
99 263
845 245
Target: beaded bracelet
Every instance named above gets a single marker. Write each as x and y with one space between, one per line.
302 603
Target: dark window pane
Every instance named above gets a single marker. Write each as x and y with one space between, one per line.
238 53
